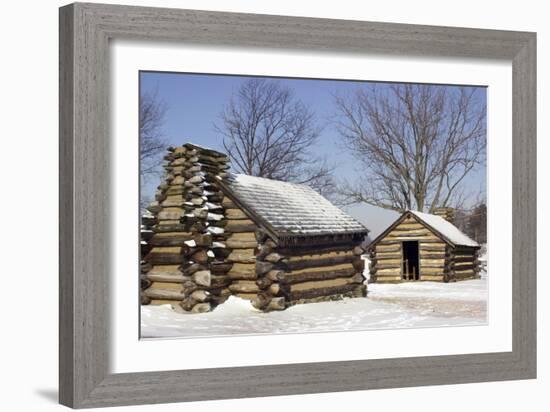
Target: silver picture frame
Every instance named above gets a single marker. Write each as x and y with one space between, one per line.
85 33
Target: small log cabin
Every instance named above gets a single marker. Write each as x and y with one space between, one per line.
421 246
213 234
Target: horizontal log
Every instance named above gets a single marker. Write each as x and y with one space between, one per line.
378 266
398 241
432 277
462 256
315 250
167 294
320 262
464 265
326 291
390 262
424 261
433 255
173 303
164 258
409 226
409 235
242 256
388 271
240 226
393 247
235 214
243 237
431 269
320 255
173 277
464 259
244 286
175 250
177 227
388 279
239 244
324 298
435 248
462 272
171 213
245 271
247 296
386 256
175 239
297 277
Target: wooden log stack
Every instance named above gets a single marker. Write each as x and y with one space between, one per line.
447 213
242 246
202 245
439 259
288 276
188 235
148 220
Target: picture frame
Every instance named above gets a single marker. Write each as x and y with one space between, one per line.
84 358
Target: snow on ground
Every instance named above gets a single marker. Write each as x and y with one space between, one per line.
388 306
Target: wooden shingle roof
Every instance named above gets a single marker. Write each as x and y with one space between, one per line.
445 230
289 209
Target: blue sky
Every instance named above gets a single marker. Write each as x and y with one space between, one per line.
194 103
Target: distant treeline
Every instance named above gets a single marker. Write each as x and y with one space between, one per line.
473 222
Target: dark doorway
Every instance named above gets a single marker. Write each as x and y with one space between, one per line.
411 267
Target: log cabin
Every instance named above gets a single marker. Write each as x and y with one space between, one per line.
212 234
423 247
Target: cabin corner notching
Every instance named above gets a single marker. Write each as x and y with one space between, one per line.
421 246
212 234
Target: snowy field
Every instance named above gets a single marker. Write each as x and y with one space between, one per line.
390 306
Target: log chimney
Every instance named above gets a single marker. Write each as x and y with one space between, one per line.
447 213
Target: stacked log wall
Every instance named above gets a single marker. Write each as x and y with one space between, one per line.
465 263
188 234
387 255
242 246
293 275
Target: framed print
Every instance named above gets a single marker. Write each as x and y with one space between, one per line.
324 190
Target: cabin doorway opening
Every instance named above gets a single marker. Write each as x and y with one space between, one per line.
411 267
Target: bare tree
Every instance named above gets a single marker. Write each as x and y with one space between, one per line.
269 133
152 113
415 143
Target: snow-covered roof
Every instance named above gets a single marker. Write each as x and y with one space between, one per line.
291 209
445 228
